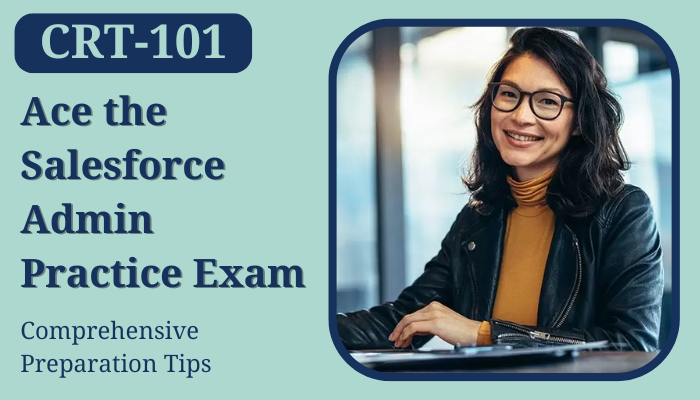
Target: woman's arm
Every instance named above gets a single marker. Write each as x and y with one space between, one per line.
370 329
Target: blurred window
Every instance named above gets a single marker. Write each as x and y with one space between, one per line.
356 203
441 76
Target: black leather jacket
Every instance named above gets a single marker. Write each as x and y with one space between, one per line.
603 281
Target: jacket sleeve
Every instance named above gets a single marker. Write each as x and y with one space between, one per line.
370 329
629 292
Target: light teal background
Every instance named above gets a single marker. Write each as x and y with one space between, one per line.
270 125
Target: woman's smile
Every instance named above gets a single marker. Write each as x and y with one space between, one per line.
522 139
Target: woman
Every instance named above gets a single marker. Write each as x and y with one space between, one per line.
553 247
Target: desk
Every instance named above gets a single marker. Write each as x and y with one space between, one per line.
586 362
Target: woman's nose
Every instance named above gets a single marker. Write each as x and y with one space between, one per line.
523 114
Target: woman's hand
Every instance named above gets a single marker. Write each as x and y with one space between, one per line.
435 319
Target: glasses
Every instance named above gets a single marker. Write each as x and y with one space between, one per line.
544 104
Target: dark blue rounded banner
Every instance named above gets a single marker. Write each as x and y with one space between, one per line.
133 43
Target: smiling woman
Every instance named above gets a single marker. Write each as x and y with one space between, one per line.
531 138
553 248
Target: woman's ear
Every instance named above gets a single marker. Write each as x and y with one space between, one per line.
575 132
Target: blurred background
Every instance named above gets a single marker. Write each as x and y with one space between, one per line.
405 133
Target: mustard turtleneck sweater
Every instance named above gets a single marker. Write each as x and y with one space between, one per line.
529 233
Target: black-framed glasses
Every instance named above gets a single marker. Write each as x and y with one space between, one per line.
544 104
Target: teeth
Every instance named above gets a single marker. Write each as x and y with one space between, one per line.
522 138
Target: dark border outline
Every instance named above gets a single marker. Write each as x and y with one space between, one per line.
675 203
14 52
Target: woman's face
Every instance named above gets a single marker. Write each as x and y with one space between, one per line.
527 143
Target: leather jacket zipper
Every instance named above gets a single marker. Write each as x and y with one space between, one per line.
533 334
579 275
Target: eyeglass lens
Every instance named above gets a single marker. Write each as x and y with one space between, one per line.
545 105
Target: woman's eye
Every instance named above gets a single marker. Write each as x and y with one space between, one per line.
509 94
549 102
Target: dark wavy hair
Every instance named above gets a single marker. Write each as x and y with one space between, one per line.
590 166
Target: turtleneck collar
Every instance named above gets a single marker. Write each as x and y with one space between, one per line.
531 195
